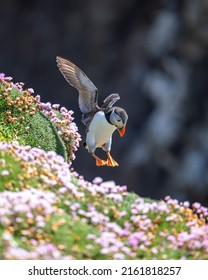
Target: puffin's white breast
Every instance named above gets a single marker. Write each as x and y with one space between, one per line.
100 130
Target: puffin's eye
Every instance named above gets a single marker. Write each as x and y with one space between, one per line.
119 120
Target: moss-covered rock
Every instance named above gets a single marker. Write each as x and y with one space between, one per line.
25 119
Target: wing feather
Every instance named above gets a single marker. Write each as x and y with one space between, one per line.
110 100
88 93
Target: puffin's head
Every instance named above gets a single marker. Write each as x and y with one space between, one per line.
119 117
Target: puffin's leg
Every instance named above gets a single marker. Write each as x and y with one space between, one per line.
99 162
110 160
107 147
91 149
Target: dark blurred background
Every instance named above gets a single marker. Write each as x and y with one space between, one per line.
153 53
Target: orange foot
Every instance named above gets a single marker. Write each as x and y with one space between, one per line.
100 162
111 161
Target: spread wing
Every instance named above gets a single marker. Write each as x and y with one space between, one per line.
110 100
88 93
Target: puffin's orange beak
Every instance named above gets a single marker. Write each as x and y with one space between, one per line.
122 131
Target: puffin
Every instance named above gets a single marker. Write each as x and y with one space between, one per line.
100 121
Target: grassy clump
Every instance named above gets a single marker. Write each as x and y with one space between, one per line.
25 119
22 121
43 134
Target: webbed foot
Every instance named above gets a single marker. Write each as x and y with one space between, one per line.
111 161
99 162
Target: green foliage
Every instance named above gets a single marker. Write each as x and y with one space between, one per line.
43 134
21 120
71 236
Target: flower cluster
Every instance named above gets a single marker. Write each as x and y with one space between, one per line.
27 212
45 251
141 233
16 105
48 168
63 120
144 228
31 204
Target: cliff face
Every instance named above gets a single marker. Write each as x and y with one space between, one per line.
48 211
154 53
